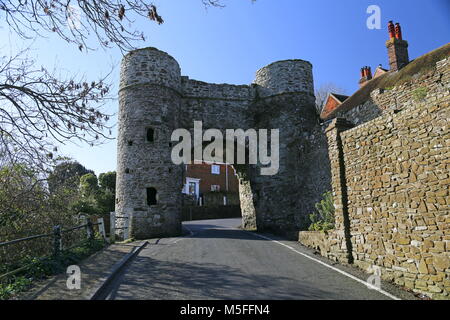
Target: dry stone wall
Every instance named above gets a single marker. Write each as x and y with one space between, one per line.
397 175
390 180
391 192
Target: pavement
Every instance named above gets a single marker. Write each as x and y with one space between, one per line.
217 260
94 271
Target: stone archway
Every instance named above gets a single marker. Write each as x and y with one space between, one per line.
244 173
154 100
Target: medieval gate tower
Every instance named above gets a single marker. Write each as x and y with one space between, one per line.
154 100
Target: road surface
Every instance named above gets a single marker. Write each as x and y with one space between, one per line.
220 261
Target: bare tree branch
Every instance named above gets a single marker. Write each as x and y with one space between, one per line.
37 109
75 20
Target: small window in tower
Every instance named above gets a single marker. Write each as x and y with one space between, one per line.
150 135
130 143
151 196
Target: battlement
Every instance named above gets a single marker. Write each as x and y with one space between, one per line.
152 66
199 89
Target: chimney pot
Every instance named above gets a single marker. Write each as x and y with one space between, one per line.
398 31
366 75
391 29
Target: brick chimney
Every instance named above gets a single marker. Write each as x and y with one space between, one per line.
397 47
366 75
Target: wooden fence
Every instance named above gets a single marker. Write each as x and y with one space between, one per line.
56 239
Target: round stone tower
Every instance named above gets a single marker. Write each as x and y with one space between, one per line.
148 183
286 76
286 102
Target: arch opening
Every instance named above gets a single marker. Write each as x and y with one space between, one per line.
224 192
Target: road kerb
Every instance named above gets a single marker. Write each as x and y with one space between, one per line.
116 268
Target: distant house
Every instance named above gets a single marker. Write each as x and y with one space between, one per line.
333 101
379 71
209 177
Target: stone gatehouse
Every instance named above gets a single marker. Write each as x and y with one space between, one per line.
154 100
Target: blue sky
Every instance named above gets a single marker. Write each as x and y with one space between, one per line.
228 45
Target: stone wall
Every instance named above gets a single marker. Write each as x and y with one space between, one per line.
329 244
390 180
212 199
335 244
394 171
397 175
314 173
209 213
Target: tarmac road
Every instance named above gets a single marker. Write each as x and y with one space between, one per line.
217 260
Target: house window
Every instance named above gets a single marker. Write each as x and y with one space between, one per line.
215 187
151 196
215 169
192 188
150 135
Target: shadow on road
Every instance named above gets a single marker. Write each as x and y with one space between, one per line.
217 232
153 279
